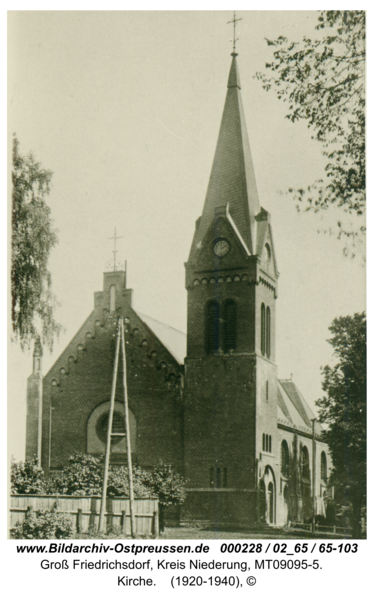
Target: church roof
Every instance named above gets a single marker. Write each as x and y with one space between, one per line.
293 407
232 178
172 339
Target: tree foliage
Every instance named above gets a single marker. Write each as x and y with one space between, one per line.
343 410
323 82
33 237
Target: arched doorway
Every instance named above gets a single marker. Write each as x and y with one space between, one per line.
267 496
262 502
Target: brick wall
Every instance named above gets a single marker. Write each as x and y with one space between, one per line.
81 379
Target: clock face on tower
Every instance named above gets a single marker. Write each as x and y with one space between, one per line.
221 247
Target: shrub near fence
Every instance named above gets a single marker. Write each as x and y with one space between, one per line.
84 512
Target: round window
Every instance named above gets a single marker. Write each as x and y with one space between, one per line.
118 427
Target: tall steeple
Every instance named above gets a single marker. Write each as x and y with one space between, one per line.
230 384
232 181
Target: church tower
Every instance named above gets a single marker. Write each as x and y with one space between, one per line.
230 410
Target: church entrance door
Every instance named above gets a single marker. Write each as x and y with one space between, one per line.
267 493
262 502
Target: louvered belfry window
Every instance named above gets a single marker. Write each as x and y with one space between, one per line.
212 327
263 328
230 326
268 332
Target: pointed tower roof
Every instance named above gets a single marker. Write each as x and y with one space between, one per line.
232 178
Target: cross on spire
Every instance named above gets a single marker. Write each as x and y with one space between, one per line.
235 39
115 238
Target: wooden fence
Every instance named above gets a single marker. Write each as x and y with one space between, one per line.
345 532
84 512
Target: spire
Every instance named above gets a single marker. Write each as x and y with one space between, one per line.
234 80
232 179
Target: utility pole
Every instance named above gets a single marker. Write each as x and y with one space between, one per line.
127 425
314 473
109 436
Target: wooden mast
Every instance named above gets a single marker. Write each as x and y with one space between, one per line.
109 435
127 425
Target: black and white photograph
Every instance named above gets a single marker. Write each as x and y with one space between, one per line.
187 276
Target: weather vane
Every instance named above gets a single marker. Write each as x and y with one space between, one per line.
235 39
115 238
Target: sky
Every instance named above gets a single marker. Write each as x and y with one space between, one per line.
125 109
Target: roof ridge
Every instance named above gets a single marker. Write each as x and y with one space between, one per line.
161 323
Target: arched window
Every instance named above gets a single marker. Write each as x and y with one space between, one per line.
271 502
212 327
112 298
305 463
267 391
285 459
230 326
263 442
323 466
263 327
269 443
268 332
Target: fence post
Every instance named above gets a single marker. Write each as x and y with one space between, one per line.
79 520
334 529
155 523
124 521
93 514
311 527
109 513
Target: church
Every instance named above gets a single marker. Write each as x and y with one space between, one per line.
208 403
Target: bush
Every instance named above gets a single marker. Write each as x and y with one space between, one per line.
166 484
118 482
81 477
84 477
44 524
27 477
